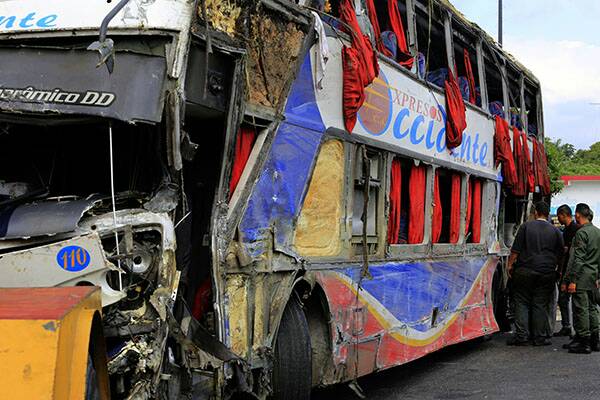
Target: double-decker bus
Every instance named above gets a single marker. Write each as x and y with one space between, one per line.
272 196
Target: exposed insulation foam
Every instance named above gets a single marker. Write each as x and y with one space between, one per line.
318 228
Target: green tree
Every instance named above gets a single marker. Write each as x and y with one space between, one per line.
563 159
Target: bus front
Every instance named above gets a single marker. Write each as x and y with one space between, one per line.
90 100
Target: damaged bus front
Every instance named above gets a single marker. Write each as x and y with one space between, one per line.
92 154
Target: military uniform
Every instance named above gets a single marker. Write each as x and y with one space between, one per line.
583 271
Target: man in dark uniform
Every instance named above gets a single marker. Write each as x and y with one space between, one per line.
581 279
536 252
565 217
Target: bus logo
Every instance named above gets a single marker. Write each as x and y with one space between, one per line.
375 114
73 258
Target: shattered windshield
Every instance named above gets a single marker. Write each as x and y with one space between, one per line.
74 161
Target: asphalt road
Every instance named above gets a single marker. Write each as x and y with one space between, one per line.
484 370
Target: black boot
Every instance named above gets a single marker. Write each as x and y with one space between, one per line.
572 343
595 341
582 347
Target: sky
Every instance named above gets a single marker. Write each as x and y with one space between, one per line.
558 41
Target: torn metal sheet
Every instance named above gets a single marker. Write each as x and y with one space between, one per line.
43 218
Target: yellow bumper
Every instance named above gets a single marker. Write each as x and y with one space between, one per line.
47 336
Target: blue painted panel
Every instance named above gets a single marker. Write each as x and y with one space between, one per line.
276 198
301 108
410 291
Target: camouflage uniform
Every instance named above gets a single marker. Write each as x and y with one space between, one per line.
583 271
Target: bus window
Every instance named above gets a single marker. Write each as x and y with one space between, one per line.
474 210
388 37
514 97
465 56
493 82
408 184
371 164
318 228
445 225
531 106
433 46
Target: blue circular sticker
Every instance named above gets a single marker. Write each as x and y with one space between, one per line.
73 258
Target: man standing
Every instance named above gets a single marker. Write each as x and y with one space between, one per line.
581 280
535 254
565 217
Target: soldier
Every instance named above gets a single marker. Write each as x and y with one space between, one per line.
535 254
565 217
581 279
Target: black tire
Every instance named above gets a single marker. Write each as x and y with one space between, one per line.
92 389
500 301
292 367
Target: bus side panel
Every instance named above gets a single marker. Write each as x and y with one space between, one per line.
407 309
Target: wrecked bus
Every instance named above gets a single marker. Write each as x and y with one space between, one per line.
259 219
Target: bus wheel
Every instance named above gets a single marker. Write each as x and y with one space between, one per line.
499 301
292 367
92 390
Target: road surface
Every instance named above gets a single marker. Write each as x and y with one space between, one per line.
484 370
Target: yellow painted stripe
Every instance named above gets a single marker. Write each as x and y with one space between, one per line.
376 93
372 107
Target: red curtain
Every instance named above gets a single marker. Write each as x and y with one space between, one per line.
541 168
470 77
456 119
469 205
416 219
360 67
503 152
395 196
404 57
243 146
520 187
437 220
376 29
476 223
530 174
455 209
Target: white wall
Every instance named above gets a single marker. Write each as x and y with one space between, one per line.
579 192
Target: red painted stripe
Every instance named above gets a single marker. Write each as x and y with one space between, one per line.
41 303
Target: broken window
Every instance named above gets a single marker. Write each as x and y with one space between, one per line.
389 39
532 108
465 57
431 42
493 78
399 199
514 96
446 206
367 183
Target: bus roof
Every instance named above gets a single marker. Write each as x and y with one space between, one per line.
476 29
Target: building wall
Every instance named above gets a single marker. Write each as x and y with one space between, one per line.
579 192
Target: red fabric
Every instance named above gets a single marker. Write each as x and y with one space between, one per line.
530 169
503 152
437 220
395 196
404 57
541 168
416 218
476 223
372 12
456 119
469 206
360 67
202 299
520 187
353 88
455 209
243 147
470 77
